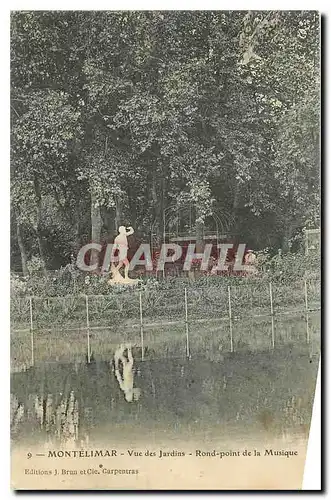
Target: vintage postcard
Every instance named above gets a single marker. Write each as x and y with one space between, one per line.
165 248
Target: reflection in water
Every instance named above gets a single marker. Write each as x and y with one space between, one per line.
57 421
125 378
74 404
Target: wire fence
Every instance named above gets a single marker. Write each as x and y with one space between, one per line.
181 322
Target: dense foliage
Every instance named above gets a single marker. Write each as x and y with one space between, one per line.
69 280
118 116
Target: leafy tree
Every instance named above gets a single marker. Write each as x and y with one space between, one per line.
118 116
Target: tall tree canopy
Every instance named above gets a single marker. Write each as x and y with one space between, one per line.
117 116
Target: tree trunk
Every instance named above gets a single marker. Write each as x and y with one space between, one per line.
41 251
96 225
199 247
38 229
236 208
20 241
118 214
159 222
236 197
132 208
77 242
286 239
108 220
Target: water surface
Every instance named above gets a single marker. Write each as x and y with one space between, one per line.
241 394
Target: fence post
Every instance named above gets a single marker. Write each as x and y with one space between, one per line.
88 330
272 317
141 327
31 333
186 325
230 320
307 313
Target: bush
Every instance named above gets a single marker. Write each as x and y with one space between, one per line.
69 280
288 267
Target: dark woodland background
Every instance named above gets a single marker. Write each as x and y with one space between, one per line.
117 116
